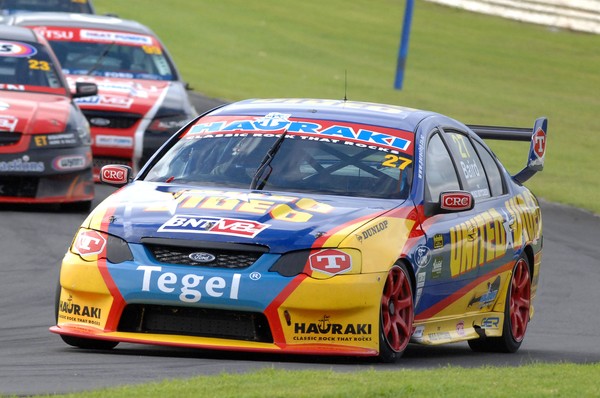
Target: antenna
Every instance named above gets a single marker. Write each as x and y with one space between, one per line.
345 85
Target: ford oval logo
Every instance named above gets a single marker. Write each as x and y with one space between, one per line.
100 121
202 257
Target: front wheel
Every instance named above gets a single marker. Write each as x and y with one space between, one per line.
397 314
516 313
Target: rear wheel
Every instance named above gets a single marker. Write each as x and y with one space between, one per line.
516 313
397 314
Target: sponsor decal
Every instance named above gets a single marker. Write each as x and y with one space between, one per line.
114 141
492 322
460 328
539 142
202 257
436 267
456 201
422 256
104 100
8 123
191 287
114 37
213 225
487 236
54 139
13 87
330 261
360 135
421 276
282 208
488 297
438 241
74 162
22 165
371 231
16 49
325 330
89 242
418 333
114 174
71 311
439 336
55 34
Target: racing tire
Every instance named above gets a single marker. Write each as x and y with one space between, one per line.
397 314
90 344
516 313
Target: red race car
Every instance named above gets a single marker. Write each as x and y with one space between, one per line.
141 98
45 153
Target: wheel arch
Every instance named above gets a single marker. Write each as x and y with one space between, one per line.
411 273
528 250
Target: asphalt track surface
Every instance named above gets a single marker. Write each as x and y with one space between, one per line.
33 241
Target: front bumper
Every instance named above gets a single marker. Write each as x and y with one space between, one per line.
46 176
238 310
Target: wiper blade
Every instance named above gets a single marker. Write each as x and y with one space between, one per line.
100 58
266 162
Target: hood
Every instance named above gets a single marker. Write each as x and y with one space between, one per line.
283 222
32 113
122 95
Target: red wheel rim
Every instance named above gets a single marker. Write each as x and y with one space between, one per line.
520 300
397 309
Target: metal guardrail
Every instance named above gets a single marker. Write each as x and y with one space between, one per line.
577 15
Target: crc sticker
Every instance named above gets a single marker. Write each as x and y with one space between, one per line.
16 49
213 225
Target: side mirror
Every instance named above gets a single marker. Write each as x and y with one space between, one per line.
116 175
84 89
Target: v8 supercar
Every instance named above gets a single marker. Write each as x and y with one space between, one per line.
308 226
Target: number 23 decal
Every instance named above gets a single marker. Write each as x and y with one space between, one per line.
39 65
396 162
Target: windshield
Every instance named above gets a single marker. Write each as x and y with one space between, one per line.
109 53
26 66
12 6
300 162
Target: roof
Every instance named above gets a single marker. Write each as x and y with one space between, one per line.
79 21
17 33
392 116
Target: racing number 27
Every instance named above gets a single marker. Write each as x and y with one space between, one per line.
396 162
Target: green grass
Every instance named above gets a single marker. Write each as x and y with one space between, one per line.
475 68
540 380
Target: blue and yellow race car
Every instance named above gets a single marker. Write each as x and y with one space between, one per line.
309 226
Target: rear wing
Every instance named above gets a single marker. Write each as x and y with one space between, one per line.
537 148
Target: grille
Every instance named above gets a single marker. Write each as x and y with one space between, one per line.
20 187
9 138
222 258
112 120
204 322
